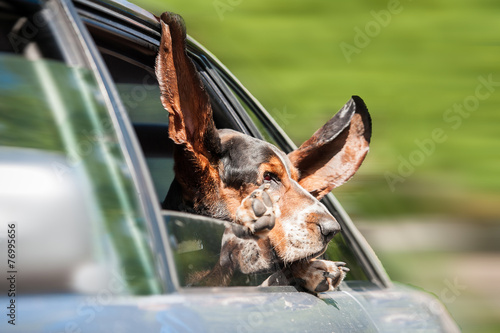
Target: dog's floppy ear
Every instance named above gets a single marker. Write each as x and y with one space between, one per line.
183 95
335 152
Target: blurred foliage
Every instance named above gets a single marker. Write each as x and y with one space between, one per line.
413 65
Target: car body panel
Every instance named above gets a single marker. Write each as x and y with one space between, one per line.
359 309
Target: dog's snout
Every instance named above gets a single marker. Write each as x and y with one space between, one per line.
329 227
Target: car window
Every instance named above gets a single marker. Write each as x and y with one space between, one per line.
26 33
195 241
140 94
66 187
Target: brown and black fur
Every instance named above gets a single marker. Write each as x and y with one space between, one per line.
270 198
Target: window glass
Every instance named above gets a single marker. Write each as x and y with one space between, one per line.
27 35
196 243
8 21
66 185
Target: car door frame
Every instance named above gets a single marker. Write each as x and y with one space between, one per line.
143 25
83 52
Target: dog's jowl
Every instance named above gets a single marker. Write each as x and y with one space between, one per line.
270 199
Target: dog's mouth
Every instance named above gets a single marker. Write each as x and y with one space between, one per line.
317 254
308 242
298 254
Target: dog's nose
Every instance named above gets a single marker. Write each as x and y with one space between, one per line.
329 227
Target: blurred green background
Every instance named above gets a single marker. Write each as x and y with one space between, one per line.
427 197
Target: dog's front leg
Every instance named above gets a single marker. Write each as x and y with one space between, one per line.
313 276
318 275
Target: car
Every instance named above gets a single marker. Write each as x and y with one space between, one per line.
85 161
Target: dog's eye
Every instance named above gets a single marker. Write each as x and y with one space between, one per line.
269 176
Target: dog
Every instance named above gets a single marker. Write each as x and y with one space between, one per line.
270 199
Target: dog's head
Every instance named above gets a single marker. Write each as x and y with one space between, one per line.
217 169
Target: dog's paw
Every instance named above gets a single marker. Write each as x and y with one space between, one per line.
256 213
319 275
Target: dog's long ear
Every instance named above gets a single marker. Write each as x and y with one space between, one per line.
183 95
335 152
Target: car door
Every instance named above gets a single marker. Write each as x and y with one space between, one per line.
367 300
129 53
110 145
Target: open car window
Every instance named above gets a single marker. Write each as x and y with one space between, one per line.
195 241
